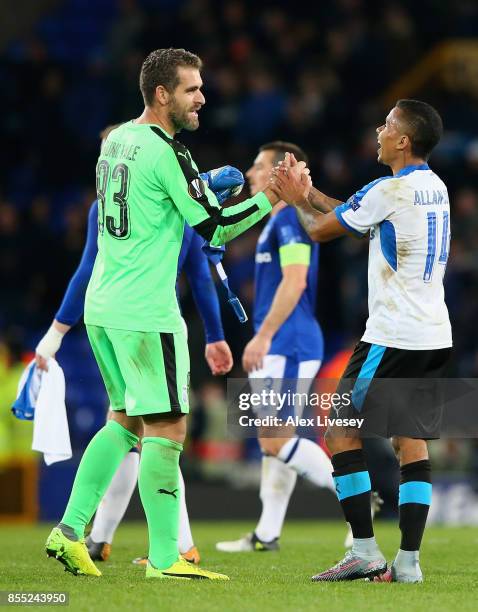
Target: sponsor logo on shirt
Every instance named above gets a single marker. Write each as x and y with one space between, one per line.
354 202
263 258
196 188
288 235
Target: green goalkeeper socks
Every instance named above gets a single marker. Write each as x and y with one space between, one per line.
98 465
159 490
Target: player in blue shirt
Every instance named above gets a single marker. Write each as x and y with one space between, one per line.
218 355
286 352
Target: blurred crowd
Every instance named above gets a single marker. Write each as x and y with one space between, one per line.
315 75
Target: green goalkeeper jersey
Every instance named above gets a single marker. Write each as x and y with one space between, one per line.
148 186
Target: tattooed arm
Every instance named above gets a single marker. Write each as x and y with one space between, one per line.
321 202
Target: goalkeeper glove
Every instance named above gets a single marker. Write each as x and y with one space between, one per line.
226 182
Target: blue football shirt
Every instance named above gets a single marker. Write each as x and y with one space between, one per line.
300 335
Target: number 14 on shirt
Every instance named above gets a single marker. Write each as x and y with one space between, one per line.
432 243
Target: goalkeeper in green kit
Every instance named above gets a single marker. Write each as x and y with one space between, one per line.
147 186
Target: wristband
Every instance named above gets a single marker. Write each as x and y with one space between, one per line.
50 343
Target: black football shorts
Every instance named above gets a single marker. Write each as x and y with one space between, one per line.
391 392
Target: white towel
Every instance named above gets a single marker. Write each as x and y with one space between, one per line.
51 435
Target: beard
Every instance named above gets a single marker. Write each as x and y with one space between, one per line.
181 119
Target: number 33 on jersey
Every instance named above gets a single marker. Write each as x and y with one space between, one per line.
147 186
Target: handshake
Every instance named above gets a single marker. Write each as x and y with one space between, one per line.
290 181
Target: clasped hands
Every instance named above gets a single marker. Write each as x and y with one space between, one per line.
290 180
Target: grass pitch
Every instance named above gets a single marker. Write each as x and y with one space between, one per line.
259 581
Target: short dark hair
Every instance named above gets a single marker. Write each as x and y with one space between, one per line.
161 68
425 125
281 148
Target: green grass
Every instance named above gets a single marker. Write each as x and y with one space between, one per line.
259 581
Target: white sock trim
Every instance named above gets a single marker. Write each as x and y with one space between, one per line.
277 483
309 460
407 557
366 547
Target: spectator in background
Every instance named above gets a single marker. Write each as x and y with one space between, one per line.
15 435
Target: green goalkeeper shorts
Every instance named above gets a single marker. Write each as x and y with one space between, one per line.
144 372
